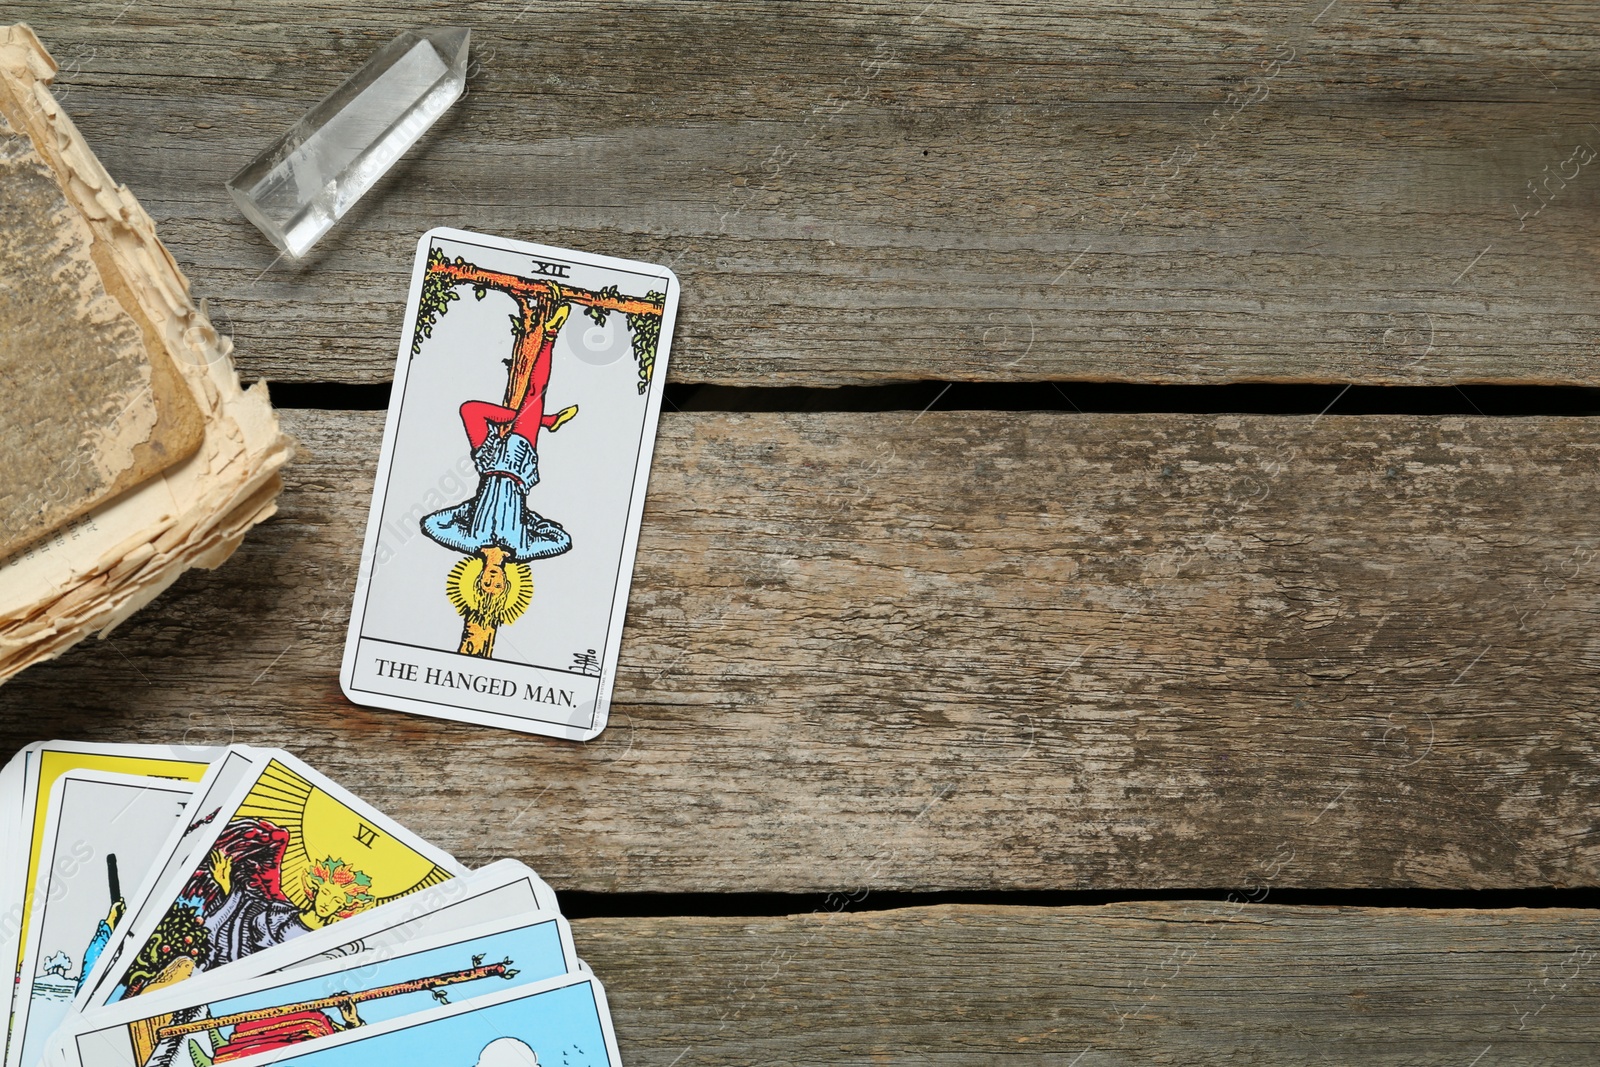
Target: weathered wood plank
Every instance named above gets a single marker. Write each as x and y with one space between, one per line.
976 650
1180 983
889 191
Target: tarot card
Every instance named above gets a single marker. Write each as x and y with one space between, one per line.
221 781
500 543
48 760
44 763
11 864
562 1022
501 890
291 853
232 1021
504 889
102 830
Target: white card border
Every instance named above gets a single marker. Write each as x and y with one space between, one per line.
490 1000
169 889
175 854
630 541
32 756
207 993
22 1005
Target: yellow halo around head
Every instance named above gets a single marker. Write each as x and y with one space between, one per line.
462 588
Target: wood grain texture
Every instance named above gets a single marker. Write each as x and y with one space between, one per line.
1179 983
889 191
975 650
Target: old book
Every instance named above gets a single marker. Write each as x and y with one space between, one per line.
92 402
119 406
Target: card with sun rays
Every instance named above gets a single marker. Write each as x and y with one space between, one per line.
295 853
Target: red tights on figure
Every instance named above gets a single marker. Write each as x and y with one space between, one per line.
480 416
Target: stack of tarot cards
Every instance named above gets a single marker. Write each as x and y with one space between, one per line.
187 906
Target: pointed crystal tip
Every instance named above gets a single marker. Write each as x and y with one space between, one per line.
451 43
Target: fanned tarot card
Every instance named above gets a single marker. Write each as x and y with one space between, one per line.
102 829
560 1022
42 764
225 1022
293 853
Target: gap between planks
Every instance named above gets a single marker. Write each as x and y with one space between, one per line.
975 651
1194 983
990 191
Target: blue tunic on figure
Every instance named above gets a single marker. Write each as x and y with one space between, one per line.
508 466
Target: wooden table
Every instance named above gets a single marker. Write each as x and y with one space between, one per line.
1077 675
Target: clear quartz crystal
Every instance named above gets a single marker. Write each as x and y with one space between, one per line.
298 188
